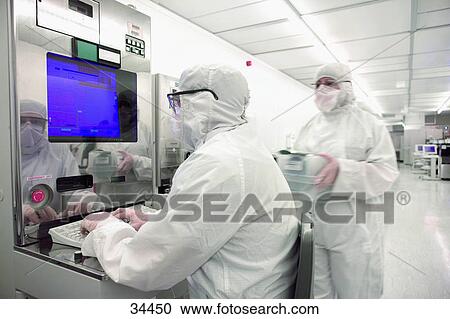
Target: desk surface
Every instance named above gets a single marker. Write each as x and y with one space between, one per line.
62 255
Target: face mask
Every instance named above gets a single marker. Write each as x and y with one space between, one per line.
180 132
328 98
32 140
190 126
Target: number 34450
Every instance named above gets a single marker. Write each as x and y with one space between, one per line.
152 309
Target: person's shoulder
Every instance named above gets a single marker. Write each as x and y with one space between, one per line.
206 164
218 151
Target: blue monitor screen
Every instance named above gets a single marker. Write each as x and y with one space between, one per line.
88 102
430 149
420 148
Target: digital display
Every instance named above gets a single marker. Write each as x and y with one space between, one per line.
430 149
420 148
89 102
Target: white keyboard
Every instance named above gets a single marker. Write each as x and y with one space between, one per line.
68 234
71 235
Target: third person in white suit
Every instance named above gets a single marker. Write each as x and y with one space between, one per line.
361 158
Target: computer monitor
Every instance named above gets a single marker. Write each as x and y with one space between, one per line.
430 149
419 148
89 102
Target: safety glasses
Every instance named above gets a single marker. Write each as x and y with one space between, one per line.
37 124
328 82
175 98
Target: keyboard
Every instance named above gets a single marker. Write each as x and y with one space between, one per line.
71 235
68 234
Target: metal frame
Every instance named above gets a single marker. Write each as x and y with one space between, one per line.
7 200
14 120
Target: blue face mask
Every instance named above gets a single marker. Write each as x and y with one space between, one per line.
32 139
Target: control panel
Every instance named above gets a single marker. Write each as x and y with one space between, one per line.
134 45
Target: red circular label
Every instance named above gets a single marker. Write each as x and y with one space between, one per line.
37 196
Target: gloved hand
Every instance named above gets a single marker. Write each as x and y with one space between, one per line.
81 206
126 164
135 218
93 221
328 174
32 216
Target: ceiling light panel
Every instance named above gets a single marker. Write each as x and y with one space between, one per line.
383 83
389 92
376 19
194 8
432 19
430 85
431 60
278 44
380 65
310 6
302 73
436 39
431 72
392 104
431 5
368 49
252 14
267 31
297 58
434 95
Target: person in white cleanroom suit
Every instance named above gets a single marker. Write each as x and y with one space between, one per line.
42 162
220 260
361 158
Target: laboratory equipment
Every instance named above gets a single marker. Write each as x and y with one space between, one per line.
94 78
96 95
39 196
430 149
418 148
426 162
429 162
431 167
300 170
418 160
445 161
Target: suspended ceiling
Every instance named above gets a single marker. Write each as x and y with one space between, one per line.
399 50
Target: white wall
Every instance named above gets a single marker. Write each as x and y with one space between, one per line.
178 44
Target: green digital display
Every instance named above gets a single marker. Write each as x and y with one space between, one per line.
87 51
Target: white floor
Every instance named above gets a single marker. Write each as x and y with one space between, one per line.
417 258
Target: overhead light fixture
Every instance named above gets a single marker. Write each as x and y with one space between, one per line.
400 84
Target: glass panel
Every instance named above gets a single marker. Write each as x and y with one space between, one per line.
85 129
170 150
